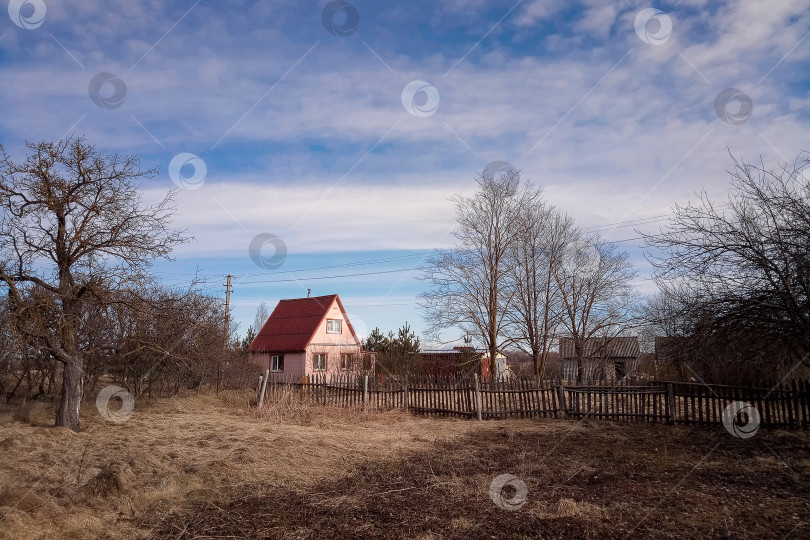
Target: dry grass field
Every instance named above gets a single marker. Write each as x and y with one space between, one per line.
208 467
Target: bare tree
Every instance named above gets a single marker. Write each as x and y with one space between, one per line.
667 313
544 235
469 283
170 340
598 299
261 317
746 262
73 228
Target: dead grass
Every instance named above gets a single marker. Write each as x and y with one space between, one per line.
201 465
173 452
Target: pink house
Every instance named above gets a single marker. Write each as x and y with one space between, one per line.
313 335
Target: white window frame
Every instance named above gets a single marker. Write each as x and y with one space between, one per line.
315 360
273 363
339 326
343 358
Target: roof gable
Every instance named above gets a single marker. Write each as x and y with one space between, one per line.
345 318
291 324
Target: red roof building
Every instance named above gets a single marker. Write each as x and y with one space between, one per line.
313 335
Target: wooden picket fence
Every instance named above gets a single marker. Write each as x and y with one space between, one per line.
786 405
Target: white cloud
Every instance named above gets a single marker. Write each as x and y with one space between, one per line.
538 10
745 31
598 18
604 146
314 218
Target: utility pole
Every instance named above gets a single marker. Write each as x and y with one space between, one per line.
228 289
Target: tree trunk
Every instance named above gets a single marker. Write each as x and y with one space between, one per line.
537 362
579 350
493 367
72 389
543 362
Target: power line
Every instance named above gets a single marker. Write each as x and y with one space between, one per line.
374 304
246 303
628 223
357 263
640 221
371 261
328 277
205 278
625 240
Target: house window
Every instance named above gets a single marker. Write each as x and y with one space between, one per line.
277 363
346 362
333 326
319 362
367 362
619 367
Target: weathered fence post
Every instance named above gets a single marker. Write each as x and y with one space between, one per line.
670 404
405 396
477 397
263 386
365 392
790 401
561 392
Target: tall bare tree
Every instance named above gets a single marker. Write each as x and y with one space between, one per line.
74 228
469 283
544 235
598 299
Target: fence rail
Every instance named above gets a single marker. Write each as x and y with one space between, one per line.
786 405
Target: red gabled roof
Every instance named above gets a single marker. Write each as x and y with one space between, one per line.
293 323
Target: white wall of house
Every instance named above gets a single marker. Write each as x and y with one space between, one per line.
333 344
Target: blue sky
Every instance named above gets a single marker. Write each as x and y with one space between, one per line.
304 133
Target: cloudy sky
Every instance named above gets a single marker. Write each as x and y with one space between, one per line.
335 133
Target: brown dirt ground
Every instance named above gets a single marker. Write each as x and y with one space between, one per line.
201 466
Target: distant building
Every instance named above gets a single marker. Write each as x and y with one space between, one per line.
460 361
313 335
521 364
603 358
